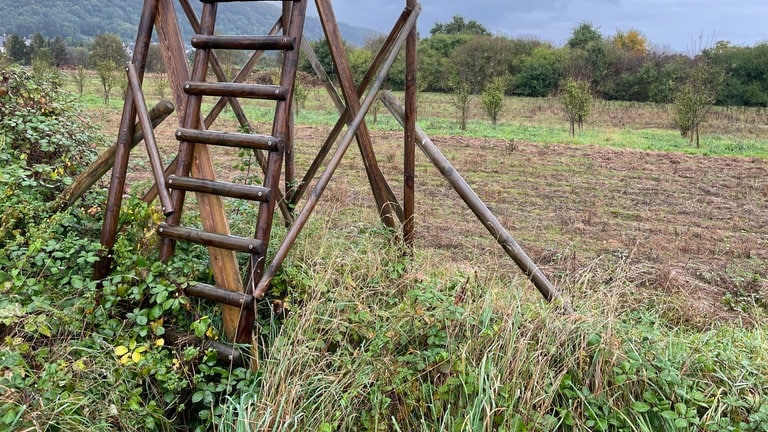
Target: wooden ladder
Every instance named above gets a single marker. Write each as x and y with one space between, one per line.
193 133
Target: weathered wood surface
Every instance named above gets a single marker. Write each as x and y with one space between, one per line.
224 264
155 161
325 178
409 136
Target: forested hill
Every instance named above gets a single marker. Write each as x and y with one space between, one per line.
84 19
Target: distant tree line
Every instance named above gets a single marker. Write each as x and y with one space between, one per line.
622 66
66 53
464 57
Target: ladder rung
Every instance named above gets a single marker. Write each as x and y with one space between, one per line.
253 91
229 139
224 353
244 42
232 190
219 295
234 243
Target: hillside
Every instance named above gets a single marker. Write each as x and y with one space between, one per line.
84 19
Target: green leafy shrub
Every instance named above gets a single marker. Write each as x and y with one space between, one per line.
78 355
44 142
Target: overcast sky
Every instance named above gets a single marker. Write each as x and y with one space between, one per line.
676 25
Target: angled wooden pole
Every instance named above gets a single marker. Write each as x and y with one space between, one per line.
387 205
345 118
478 207
325 178
155 161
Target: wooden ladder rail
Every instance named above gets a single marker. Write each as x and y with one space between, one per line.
123 145
194 135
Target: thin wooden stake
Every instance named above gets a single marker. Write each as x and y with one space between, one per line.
155 161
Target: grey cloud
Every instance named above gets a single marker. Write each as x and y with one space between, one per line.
670 23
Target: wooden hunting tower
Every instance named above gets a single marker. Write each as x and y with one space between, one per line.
193 169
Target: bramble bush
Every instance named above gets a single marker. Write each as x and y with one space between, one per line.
77 354
45 141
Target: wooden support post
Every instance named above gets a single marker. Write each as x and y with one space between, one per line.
123 146
409 143
387 205
106 160
345 117
237 323
289 158
478 207
322 183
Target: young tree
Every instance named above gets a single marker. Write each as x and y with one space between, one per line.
300 93
108 47
108 55
694 98
493 99
79 78
109 77
576 101
461 99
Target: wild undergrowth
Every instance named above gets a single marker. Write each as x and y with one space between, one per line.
386 343
356 334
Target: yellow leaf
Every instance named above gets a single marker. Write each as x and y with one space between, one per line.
160 342
141 349
125 359
136 356
121 350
